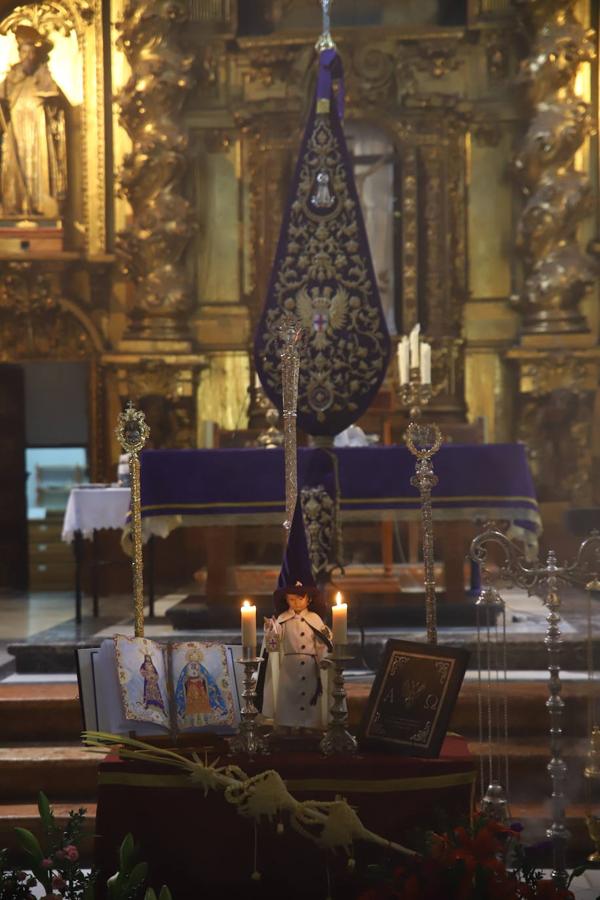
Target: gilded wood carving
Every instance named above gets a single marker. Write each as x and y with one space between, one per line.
557 271
152 177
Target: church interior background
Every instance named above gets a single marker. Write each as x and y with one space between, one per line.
139 218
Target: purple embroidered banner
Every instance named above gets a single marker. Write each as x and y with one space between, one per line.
323 276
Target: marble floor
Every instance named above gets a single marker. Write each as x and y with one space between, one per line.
25 616
48 616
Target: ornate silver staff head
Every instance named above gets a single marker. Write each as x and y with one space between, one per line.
325 41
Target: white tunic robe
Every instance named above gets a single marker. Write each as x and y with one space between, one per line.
291 679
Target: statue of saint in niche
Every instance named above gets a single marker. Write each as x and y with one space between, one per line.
33 168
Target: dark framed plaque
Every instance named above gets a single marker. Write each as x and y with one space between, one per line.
412 698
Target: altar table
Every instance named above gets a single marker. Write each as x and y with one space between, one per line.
200 847
92 508
478 482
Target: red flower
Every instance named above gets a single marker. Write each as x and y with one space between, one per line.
71 852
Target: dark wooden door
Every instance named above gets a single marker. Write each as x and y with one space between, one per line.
13 505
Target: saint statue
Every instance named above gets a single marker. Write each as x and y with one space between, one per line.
33 168
152 694
198 696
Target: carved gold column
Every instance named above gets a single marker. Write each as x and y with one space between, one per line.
557 365
557 272
162 222
556 403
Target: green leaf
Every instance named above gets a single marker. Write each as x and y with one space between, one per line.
150 895
30 844
117 886
45 811
165 893
126 853
89 891
577 872
137 875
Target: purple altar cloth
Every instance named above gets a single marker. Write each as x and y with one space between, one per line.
246 486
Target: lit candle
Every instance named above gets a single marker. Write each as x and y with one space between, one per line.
249 626
414 347
425 363
257 384
339 613
402 352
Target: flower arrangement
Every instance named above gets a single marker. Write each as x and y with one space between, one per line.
54 865
468 863
484 860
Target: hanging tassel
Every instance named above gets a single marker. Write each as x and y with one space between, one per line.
351 864
256 876
280 828
328 876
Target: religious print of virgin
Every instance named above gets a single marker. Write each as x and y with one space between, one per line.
142 678
202 688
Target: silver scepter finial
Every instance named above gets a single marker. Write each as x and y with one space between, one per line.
291 334
325 42
132 432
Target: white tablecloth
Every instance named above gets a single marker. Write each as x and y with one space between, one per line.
93 508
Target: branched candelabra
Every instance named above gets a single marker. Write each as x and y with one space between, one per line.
291 335
132 433
545 580
423 439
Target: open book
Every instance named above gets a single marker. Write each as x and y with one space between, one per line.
137 685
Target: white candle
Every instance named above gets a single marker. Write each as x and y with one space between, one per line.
257 384
414 347
425 363
402 352
249 626
339 614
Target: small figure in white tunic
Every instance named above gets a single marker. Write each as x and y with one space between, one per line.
295 694
297 642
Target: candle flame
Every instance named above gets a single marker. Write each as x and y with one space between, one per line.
246 604
338 598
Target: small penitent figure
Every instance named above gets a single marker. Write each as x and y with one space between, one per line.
297 642
152 695
33 168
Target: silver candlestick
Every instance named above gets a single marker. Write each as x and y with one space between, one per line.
249 740
544 580
423 439
337 739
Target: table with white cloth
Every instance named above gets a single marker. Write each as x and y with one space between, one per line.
92 508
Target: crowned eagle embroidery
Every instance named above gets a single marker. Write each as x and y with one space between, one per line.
322 311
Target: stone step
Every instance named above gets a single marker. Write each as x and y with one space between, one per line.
51 712
34 712
526 702
528 767
25 815
52 653
536 817
66 771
